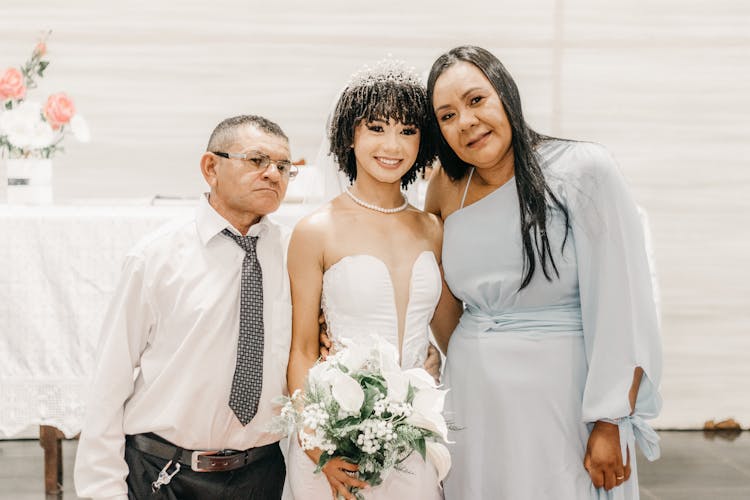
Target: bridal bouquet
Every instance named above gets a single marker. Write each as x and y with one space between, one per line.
360 405
30 129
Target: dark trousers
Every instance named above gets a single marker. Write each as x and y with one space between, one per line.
260 480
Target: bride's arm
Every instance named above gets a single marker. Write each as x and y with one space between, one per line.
305 265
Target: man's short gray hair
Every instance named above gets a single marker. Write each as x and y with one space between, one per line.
226 131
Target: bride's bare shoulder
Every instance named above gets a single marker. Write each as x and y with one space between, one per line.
319 224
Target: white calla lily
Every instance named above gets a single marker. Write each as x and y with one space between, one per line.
347 392
397 386
388 355
429 400
430 421
428 405
440 457
420 379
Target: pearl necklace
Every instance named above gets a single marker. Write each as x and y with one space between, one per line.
377 208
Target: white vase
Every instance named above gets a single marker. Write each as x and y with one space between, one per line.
29 181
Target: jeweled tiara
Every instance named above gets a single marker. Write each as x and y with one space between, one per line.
385 70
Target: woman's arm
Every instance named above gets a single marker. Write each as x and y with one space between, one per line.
619 316
445 319
603 458
449 308
305 265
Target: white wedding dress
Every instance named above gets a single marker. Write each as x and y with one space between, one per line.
359 301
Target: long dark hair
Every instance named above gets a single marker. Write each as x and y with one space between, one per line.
533 190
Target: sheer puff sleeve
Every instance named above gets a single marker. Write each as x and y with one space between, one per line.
618 308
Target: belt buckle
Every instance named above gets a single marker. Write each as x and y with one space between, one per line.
196 456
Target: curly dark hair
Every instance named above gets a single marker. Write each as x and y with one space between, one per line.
403 101
534 194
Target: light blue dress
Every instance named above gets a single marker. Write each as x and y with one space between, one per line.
530 371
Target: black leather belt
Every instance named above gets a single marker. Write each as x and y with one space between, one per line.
200 461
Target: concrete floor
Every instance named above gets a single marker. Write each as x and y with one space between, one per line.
693 466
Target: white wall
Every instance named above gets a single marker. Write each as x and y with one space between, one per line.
663 83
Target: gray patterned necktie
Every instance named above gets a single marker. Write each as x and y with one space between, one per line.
248 372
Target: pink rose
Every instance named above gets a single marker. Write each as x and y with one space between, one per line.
59 110
11 85
40 49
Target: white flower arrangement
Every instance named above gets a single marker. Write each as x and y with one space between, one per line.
360 405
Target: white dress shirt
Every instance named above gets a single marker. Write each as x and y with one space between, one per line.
169 344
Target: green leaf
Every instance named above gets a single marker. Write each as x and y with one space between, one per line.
369 403
410 394
351 420
42 66
324 459
377 383
421 447
348 448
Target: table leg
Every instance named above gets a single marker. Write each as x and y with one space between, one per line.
50 439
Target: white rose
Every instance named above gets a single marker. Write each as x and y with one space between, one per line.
25 128
438 454
347 392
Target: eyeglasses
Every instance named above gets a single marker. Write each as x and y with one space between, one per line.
259 162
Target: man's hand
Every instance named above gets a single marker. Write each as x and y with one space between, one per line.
433 362
325 341
603 458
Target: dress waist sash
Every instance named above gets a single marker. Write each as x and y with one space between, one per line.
538 322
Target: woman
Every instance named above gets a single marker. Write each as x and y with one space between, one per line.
556 358
370 260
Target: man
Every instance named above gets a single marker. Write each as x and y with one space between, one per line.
195 343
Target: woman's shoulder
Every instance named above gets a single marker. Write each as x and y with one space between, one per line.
315 225
429 223
443 194
582 173
442 180
576 159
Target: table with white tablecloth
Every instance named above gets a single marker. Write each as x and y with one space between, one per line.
58 268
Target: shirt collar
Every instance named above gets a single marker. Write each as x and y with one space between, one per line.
210 223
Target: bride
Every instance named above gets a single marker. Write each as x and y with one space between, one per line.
371 261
